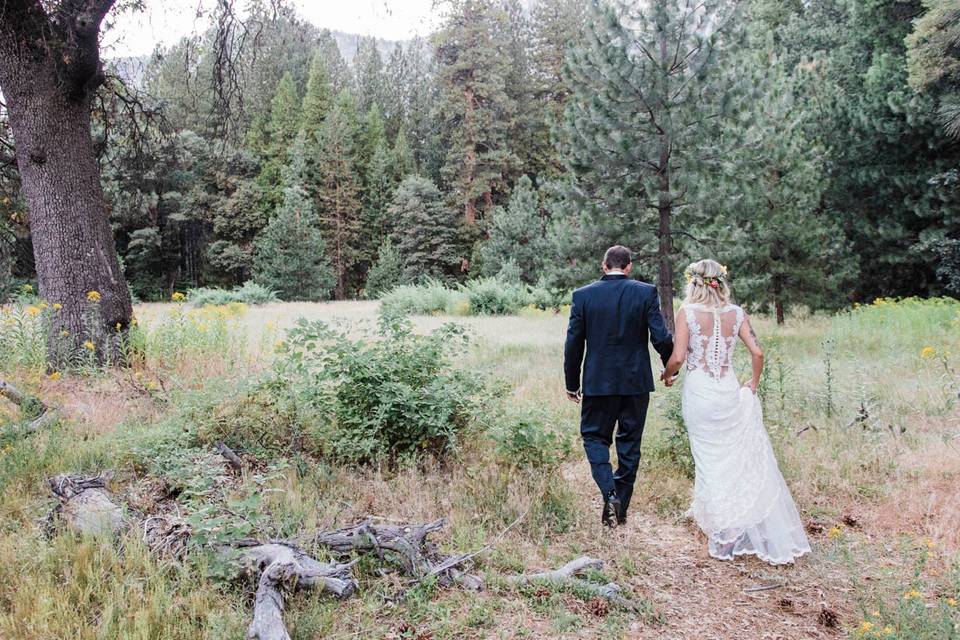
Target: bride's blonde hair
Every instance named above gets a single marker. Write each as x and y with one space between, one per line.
706 284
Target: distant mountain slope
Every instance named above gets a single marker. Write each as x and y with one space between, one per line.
132 68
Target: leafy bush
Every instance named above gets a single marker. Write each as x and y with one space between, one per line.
674 448
429 298
525 441
248 293
387 396
261 421
492 296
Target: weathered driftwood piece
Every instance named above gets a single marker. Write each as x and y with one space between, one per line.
228 454
566 576
281 566
85 504
420 558
20 399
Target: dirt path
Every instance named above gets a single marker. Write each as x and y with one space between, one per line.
699 597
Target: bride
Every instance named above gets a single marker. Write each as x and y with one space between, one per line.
740 499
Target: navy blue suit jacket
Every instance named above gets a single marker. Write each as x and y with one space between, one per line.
613 319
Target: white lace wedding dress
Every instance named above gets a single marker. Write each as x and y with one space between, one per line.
740 499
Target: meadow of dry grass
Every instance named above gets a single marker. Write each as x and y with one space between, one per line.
863 418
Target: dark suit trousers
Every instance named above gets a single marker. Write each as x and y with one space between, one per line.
598 415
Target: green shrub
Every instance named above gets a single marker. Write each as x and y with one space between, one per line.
390 396
429 298
248 293
674 447
260 422
492 296
524 440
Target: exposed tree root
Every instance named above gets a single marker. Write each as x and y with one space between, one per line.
566 576
280 566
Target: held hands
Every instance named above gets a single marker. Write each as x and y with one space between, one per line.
669 381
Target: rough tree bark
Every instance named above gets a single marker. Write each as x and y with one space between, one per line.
665 202
49 71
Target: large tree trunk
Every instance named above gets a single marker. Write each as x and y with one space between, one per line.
49 71
664 205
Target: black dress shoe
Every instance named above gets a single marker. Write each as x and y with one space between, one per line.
611 511
621 516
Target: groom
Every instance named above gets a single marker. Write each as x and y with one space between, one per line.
613 318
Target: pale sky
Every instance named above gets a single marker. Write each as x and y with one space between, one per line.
166 21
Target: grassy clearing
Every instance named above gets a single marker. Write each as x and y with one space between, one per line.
862 409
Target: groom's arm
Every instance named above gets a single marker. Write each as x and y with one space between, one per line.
660 336
574 347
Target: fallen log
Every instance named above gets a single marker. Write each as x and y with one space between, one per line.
282 566
85 504
566 577
45 415
229 455
419 557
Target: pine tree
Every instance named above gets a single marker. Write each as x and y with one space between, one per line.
646 99
516 235
404 163
290 254
381 183
426 231
339 72
318 98
280 131
368 64
475 109
338 192
386 272
784 247
555 26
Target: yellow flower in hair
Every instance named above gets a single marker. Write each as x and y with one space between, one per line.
89 346
93 296
57 306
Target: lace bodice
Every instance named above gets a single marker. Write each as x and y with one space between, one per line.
713 336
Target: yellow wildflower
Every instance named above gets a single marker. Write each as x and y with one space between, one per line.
888 630
27 288
865 626
278 344
89 346
178 297
913 594
875 614
929 543
44 305
952 602
57 306
32 310
93 296
835 532
54 376
928 352
64 333
133 322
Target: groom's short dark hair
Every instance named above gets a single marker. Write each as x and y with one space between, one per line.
617 257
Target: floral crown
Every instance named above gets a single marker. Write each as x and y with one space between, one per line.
710 281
